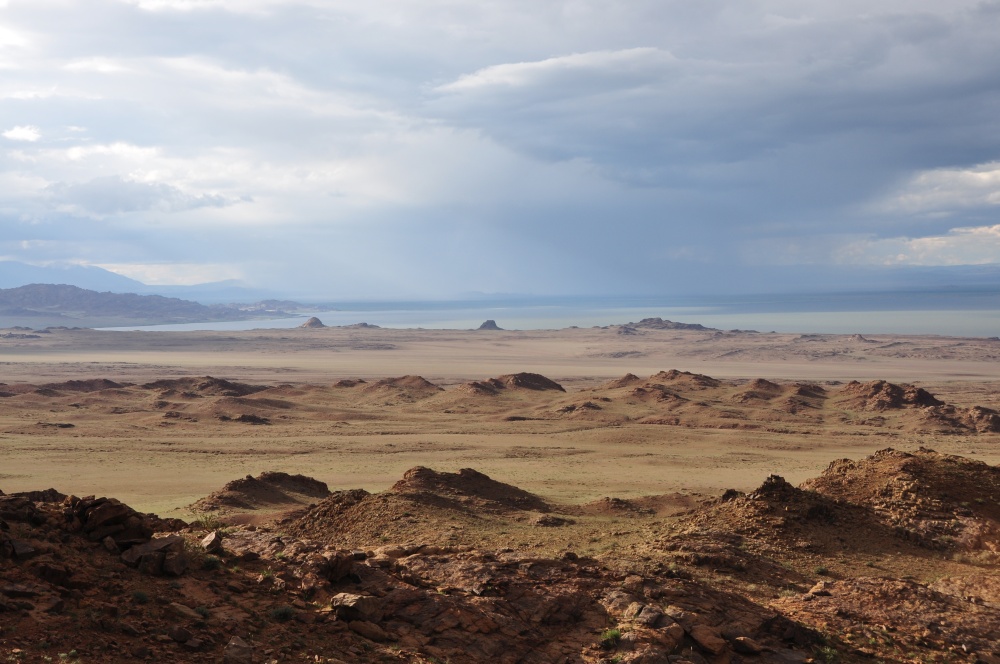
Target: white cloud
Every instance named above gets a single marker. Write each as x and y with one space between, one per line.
174 274
12 38
29 94
617 64
978 245
947 189
249 6
23 133
116 195
100 65
127 151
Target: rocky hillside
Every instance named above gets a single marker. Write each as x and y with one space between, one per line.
68 303
839 569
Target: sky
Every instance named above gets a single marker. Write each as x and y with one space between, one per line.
436 148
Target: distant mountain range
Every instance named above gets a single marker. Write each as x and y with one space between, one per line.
49 304
761 288
14 274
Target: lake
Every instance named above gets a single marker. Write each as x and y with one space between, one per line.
972 322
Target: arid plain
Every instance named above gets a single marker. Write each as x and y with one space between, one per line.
160 449
588 496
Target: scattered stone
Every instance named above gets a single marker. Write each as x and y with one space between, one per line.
179 634
237 651
357 607
21 550
649 617
369 630
212 542
821 589
709 639
183 611
744 645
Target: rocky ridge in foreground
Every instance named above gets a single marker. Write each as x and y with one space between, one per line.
824 572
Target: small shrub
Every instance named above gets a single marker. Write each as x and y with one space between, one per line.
610 637
822 571
282 613
207 522
827 654
211 563
202 611
139 597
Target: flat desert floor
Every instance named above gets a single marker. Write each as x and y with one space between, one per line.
150 429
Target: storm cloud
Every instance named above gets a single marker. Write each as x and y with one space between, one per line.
427 149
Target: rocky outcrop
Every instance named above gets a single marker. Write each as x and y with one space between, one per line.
313 323
163 555
937 500
266 490
468 484
661 324
205 386
525 381
880 395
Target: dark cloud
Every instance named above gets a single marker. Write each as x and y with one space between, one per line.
611 147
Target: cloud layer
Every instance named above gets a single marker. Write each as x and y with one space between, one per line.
326 147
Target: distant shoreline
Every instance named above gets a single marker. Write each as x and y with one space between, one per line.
966 313
962 323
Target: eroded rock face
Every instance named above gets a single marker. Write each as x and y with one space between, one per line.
99 518
880 395
18 509
163 555
936 500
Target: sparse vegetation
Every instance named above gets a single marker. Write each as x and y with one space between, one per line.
610 637
207 522
211 563
282 613
827 654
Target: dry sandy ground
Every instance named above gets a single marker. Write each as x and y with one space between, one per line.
159 450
